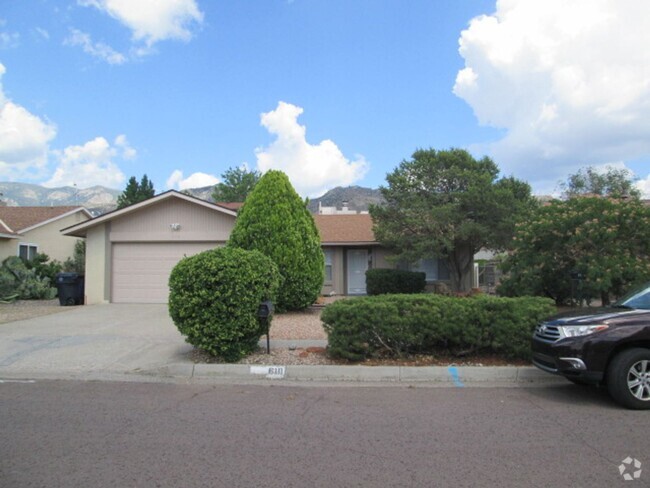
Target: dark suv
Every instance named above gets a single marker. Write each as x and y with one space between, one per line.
602 346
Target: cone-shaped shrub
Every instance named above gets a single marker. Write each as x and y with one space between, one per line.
275 221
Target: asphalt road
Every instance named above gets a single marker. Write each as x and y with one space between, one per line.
98 434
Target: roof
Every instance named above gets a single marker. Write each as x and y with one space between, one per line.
79 230
236 206
345 229
23 219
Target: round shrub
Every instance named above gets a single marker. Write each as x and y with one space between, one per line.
381 281
214 298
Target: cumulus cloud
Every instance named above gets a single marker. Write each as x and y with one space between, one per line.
152 21
96 49
567 80
312 169
88 165
195 180
644 187
24 140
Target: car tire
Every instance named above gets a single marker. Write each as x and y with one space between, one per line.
628 378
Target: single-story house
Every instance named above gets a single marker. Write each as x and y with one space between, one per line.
26 231
130 252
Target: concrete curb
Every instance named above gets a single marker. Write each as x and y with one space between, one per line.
442 375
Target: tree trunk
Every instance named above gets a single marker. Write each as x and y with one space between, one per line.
604 298
460 263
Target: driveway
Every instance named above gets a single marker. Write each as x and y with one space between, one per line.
91 341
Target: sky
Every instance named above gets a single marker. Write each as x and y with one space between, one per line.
332 92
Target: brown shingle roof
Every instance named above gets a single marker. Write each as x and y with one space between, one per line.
19 218
231 205
340 229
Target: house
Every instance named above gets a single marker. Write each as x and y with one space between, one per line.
130 252
26 231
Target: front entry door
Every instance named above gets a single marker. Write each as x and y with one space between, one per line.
357 266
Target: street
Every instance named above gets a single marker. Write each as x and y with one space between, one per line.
101 434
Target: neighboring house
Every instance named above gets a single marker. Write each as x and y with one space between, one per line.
26 231
130 252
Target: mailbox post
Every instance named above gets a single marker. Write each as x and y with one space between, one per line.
264 313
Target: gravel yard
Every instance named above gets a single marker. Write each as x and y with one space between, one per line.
27 309
298 325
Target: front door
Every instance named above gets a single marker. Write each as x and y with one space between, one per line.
357 266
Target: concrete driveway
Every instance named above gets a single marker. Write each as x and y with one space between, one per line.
91 341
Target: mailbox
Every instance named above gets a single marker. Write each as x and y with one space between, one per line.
265 309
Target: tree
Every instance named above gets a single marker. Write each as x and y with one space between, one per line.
614 183
236 185
275 221
603 240
136 192
449 205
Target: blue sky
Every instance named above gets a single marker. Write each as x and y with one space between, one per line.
331 92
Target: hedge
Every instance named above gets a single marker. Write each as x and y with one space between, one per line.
214 298
400 325
381 281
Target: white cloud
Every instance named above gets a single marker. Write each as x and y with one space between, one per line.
312 169
567 80
43 33
644 187
88 165
24 140
9 40
151 21
127 151
195 180
96 49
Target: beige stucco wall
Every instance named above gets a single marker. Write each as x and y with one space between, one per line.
98 262
153 223
47 238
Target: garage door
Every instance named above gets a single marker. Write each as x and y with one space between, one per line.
140 271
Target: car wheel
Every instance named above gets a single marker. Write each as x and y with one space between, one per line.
628 378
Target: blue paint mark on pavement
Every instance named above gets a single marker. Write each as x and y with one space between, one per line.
454 376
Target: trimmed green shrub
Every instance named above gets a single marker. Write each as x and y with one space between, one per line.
17 281
399 325
43 267
275 221
382 281
214 298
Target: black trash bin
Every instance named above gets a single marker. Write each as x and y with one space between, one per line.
71 288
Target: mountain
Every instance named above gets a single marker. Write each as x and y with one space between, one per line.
204 193
97 199
358 198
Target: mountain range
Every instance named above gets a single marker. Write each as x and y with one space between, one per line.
99 199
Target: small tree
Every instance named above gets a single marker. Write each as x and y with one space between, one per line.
275 221
606 241
449 205
236 185
614 182
136 192
76 263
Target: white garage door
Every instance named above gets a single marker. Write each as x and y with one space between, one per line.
140 271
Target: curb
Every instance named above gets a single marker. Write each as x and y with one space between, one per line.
442 375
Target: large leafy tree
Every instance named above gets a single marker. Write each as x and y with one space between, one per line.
136 192
613 182
604 241
236 185
448 204
275 221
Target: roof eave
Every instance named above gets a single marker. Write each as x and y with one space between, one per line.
58 217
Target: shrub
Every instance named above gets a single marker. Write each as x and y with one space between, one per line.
214 298
275 221
17 281
77 262
382 281
43 267
397 325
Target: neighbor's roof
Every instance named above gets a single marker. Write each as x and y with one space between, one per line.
345 229
23 219
236 206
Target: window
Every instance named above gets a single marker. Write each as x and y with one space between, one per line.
328 265
434 269
27 251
